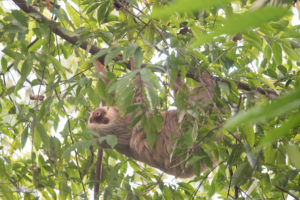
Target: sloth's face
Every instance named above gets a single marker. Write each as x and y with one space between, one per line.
102 117
99 116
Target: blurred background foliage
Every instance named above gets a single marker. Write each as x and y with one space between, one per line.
49 85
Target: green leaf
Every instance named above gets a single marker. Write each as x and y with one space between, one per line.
282 69
92 7
98 55
103 12
124 97
149 77
194 159
58 66
111 140
250 135
25 71
181 97
293 153
107 194
36 46
153 97
45 109
93 96
64 188
6 192
129 51
84 144
123 81
2 169
114 52
20 17
241 174
106 36
149 33
74 15
27 66
186 187
237 150
24 137
267 52
138 57
239 23
101 88
277 52
269 155
261 113
252 158
151 132
187 6
11 53
168 194
43 135
3 64
278 133
290 52
254 39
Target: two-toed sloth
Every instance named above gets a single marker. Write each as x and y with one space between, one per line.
132 141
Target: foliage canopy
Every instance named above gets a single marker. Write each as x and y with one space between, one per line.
49 85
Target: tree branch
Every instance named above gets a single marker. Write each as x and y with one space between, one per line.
94 49
58 31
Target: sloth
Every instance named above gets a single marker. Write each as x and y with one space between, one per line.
132 140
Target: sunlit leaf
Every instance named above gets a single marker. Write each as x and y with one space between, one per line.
111 140
260 113
277 52
242 22
149 78
20 17
138 57
112 53
98 54
294 152
278 133
129 51
187 6
241 174
3 64
43 135
154 98
102 11
82 144
267 52
24 137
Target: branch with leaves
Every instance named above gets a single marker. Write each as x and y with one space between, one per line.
65 34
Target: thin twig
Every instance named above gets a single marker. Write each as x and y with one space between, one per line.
198 187
72 140
286 191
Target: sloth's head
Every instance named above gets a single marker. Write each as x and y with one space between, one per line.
102 118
